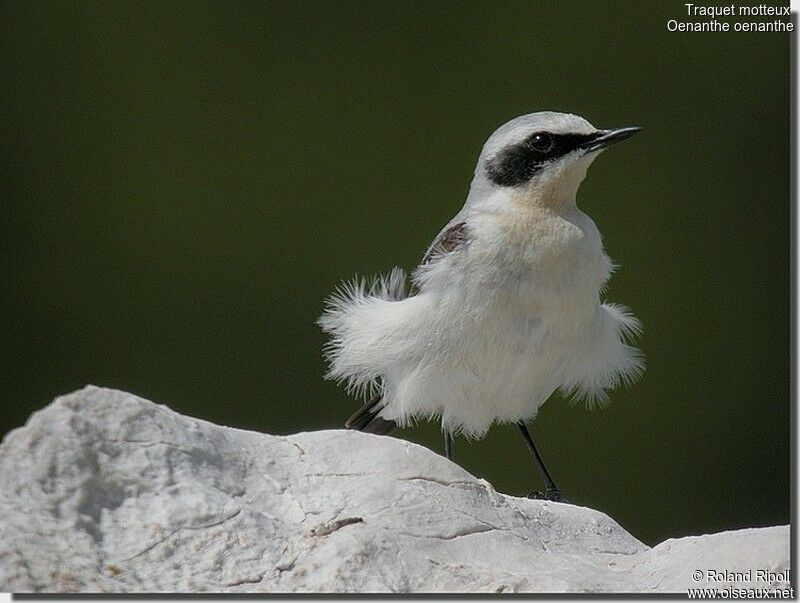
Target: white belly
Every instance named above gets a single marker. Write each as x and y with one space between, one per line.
500 364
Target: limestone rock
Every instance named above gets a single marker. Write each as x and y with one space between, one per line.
104 491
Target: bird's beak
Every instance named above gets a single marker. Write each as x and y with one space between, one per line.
607 137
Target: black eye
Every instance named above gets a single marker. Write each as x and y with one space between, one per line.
542 142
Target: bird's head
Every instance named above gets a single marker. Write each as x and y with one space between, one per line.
541 157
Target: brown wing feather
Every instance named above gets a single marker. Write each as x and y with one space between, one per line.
448 241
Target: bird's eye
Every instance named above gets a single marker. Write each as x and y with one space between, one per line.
542 142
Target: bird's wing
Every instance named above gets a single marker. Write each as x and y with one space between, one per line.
449 240
454 237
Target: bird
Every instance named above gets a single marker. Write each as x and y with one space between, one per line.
504 310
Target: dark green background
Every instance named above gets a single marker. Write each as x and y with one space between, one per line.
185 183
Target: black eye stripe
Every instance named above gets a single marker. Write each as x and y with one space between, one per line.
518 163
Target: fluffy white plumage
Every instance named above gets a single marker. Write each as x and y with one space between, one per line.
506 310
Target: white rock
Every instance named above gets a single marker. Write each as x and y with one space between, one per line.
104 491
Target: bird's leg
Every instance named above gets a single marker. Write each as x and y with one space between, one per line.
448 445
552 491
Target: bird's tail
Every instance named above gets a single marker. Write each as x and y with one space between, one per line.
366 419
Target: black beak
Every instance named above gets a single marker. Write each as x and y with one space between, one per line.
607 137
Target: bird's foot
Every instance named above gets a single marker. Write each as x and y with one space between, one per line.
552 494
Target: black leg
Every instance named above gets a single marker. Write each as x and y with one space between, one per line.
448 445
552 492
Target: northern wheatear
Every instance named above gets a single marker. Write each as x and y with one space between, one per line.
504 308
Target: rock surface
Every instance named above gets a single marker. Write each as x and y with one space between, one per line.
104 491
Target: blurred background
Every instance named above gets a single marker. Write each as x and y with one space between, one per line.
185 183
